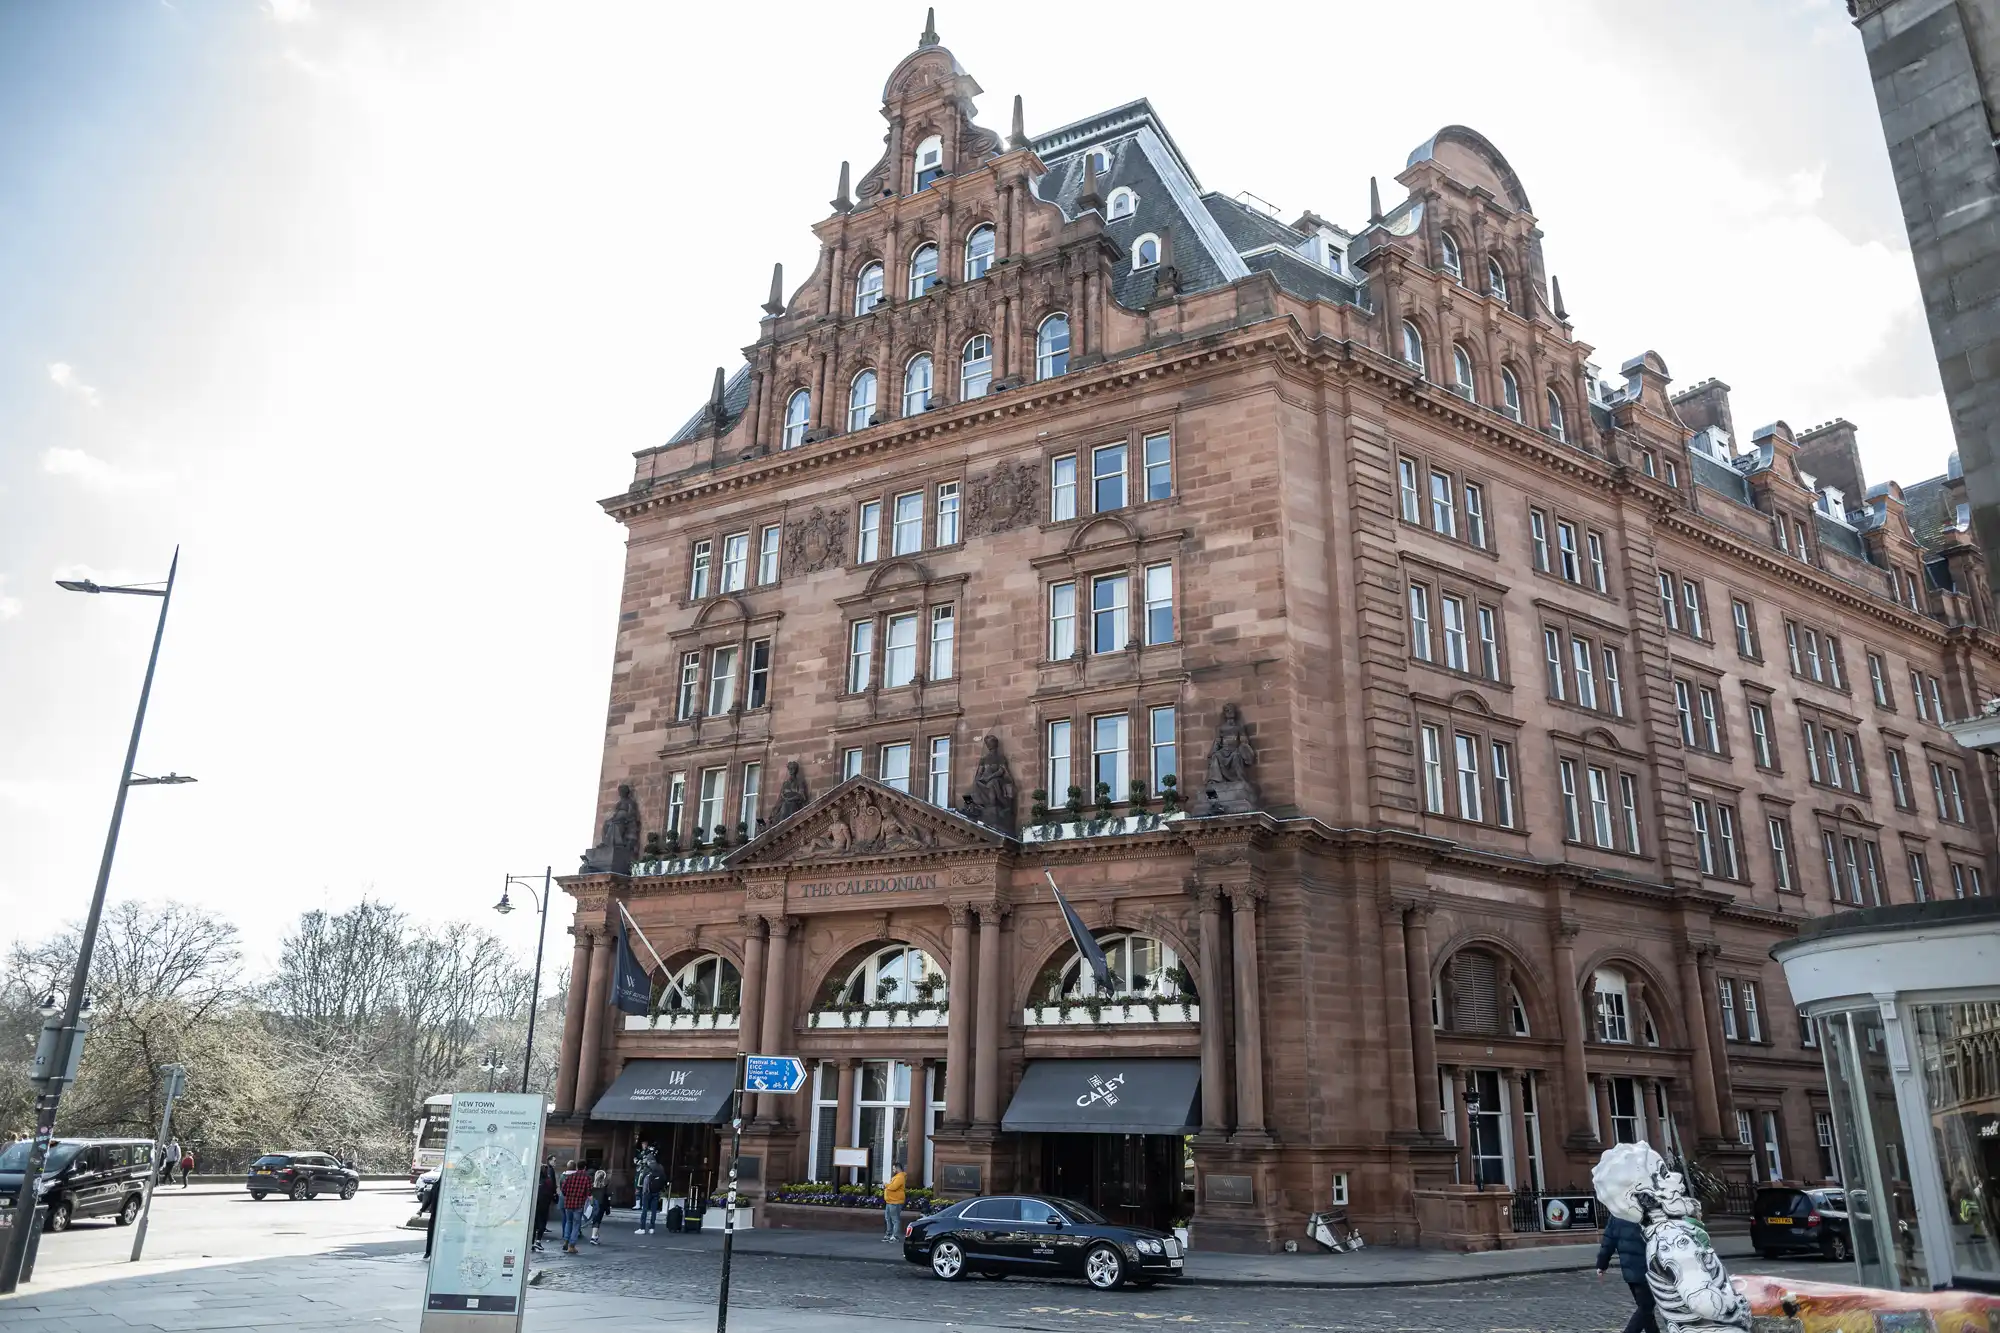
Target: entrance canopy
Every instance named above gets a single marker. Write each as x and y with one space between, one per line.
1137 1096
684 1092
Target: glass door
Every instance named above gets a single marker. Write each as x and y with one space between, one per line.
882 1116
1488 1129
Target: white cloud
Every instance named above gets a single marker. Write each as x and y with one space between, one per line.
93 471
289 11
65 377
10 607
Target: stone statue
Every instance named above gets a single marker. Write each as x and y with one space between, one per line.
792 797
1230 788
1690 1286
991 800
619 846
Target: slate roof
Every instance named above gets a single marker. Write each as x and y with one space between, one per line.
1838 536
1923 502
735 398
1724 480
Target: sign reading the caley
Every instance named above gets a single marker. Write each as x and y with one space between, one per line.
1104 1090
843 888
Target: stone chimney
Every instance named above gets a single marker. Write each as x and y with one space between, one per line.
1830 453
1704 405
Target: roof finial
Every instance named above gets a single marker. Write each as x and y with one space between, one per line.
1374 201
715 403
842 203
930 37
1019 137
1556 288
1089 199
776 305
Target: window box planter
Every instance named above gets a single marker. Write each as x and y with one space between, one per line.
669 1021
1116 826
679 865
1135 1011
877 1016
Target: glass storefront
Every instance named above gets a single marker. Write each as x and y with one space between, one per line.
1882 1212
1958 1054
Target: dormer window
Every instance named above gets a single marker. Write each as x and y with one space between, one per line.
798 413
861 401
923 270
1100 159
1146 251
1331 256
1122 204
1052 347
1448 258
1413 345
1557 427
917 385
868 289
1510 394
930 162
979 252
1496 281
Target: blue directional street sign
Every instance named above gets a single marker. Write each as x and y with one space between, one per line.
773 1073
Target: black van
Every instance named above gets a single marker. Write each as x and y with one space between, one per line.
83 1178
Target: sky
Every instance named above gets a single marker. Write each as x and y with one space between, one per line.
366 305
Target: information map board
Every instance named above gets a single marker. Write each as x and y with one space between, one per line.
485 1213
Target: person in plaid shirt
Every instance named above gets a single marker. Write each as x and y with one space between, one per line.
574 1188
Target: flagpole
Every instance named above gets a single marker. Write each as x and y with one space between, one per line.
658 961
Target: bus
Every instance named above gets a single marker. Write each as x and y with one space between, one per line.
432 1131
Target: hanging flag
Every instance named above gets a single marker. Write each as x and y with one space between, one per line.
1086 943
631 991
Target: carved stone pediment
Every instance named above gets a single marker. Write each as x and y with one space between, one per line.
863 819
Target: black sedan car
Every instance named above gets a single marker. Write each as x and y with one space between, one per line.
301 1175
1785 1218
1000 1235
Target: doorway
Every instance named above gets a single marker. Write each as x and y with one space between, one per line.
1133 1179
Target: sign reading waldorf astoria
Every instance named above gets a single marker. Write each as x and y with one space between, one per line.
485 1208
844 888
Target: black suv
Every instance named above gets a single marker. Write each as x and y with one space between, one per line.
83 1178
301 1175
1784 1218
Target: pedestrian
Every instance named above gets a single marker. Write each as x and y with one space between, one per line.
1627 1241
172 1155
187 1167
431 1218
574 1187
649 1195
600 1200
893 1194
545 1198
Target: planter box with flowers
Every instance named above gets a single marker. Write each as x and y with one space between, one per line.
912 1015
1084 1013
683 1020
821 1194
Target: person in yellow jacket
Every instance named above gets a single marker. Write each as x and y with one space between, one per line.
893 1195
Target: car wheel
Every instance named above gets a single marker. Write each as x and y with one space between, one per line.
1767 1253
300 1193
130 1212
347 1189
258 1195
59 1217
948 1260
1837 1250
1105 1268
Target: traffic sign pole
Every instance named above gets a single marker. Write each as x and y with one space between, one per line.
175 1078
729 1208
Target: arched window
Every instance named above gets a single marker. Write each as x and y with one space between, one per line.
868 289
1140 966
1052 347
861 401
1448 256
1610 1005
798 412
1101 159
1510 394
1413 345
979 251
710 983
923 270
975 368
929 162
1556 426
1146 251
1517 1015
1122 204
899 974
1461 373
917 385
1496 281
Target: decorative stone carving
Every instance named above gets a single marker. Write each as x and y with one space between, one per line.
619 845
865 829
1689 1284
966 877
1230 788
1007 497
991 800
817 541
793 796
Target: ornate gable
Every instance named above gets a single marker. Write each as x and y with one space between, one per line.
862 820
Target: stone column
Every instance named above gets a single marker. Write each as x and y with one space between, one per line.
1635 1018
1423 1040
1517 1115
1606 1135
1718 1050
593 1023
572 1035
1399 1035
1707 1115
986 1054
847 1095
776 973
958 1018
1243 900
1214 1051
1651 1128
1569 1008
1452 1077
750 1016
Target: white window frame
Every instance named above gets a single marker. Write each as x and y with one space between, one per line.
770 543
892 766
722 664
1119 726
868 533
700 568
860 655
1062 620
975 367
861 396
899 650
923 269
978 258
947 533
1060 767
869 287
919 379
1140 261
1110 610
735 563
939 786
943 660
1159 612
1122 203
1062 488
1052 346
906 523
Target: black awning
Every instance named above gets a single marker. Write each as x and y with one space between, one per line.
684 1092
1137 1096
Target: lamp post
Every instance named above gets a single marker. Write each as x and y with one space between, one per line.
63 1033
492 1068
504 906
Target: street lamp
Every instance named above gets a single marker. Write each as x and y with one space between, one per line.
492 1068
63 1030
503 907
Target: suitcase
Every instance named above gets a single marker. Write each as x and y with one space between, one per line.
691 1224
674 1217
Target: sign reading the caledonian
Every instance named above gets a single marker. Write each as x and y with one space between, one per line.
842 888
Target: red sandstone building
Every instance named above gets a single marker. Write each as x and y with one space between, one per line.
1513 715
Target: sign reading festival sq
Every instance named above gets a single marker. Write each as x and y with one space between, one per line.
485 1212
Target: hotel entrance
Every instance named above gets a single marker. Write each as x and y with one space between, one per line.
1136 1179
1111 1133
674 1107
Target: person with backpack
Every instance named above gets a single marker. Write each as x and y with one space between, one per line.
545 1198
650 1181
600 1200
1627 1241
574 1189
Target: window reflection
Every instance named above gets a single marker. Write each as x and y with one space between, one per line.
1958 1055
